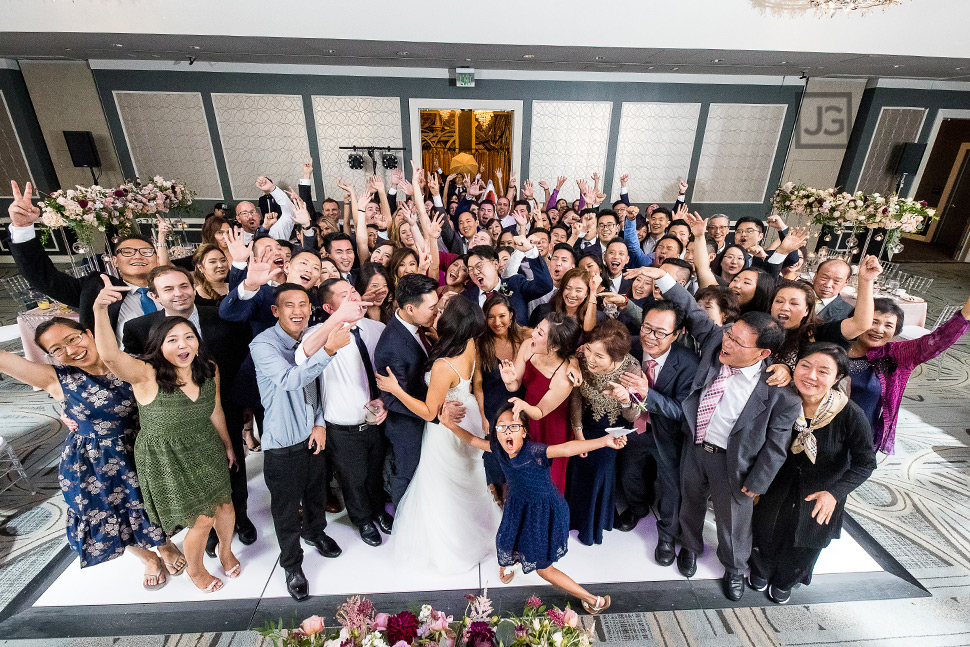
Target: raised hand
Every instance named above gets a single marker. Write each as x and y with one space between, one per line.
520 219
521 243
270 219
681 212
651 208
264 185
635 383
424 262
543 185
307 168
527 189
649 272
560 181
433 183
797 236
396 177
436 224
109 294
632 212
346 187
775 222
260 270
162 228
405 213
22 212
869 268
337 339
624 179
507 371
595 281
406 187
378 183
351 310
236 243
698 225
498 174
596 178
682 186
473 188
301 215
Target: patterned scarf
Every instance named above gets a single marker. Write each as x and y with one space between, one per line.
830 407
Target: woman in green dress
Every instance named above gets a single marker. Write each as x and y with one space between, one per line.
182 450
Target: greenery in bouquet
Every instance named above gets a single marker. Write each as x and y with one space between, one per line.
552 627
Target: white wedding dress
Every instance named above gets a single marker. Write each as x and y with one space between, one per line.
447 519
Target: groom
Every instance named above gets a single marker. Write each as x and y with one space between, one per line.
403 348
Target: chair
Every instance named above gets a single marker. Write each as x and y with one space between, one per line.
18 288
945 315
10 464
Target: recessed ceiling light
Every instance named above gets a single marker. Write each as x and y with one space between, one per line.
68 49
468 60
118 45
599 58
650 68
528 56
958 68
716 60
155 56
402 53
196 47
331 51
897 66
783 63
674 69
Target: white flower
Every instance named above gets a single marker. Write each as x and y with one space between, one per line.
425 612
374 640
557 638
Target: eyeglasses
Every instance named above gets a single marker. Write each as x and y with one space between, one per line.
247 212
606 225
732 338
647 331
73 340
514 428
748 230
128 252
718 227
477 267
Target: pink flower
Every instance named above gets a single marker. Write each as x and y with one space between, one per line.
312 625
401 643
533 602
380 622
571 618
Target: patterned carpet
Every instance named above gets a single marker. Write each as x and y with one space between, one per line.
917 505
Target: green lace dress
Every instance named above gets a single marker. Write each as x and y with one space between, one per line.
180 458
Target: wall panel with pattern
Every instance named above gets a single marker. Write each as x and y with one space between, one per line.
13 166
354 121
740 142
167 135
568 138
654 146
261 134
896 126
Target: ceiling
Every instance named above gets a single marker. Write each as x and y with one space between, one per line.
323 51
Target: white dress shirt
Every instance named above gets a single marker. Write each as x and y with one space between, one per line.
615 283
737 390
343 384
413 330
649 244
659 360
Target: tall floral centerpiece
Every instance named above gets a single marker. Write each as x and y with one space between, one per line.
855 212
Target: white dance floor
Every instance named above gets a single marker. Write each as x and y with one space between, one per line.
622 557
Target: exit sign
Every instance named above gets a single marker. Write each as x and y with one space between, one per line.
465 77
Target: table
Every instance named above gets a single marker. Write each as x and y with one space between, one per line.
28 321
914 311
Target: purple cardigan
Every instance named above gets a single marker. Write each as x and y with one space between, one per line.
893 375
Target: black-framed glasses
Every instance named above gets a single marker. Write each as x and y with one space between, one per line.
730 337
59 351
647 331
514 428
128 252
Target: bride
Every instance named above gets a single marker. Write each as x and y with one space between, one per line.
446 520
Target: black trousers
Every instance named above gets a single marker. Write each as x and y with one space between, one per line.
237 475
296 475
666 450
405 434
357 458
636 471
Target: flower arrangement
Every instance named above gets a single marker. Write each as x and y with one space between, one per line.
872 211
89 210
362 626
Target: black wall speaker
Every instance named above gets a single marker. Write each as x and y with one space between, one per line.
84 152
910 157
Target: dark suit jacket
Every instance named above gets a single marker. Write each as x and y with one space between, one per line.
758 443
521 289
624 286
37 268
268 203
398 350
596 249
257 311
226 341
836 310
671 388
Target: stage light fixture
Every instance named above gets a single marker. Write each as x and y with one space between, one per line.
356 161
389 161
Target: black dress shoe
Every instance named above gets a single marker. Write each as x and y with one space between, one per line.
370 534
627 520
779 596
211 543
385 522
324 545
246 531
757 582
687 563
664 554
297 585
733 584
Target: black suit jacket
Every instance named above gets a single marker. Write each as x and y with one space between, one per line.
624 286
758 443
398 350
836 310
35 266
226 341
671 387
596 249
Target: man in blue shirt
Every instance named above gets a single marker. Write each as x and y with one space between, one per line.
294 435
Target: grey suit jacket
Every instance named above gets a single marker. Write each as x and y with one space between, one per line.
836 310
758 444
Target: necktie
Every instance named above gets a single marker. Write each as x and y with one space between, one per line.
818 306
489 293
311 393
712 396
423 334
368 366
147 304
644 420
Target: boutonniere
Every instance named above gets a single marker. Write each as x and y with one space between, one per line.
505 289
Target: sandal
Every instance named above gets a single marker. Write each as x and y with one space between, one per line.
602 604
160 580
215 584
505 575
233 572
178 566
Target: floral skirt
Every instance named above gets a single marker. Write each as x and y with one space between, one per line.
105 509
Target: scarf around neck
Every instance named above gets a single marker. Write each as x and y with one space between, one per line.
828 408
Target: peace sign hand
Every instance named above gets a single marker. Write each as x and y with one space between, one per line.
22 212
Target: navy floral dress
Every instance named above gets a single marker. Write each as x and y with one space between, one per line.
535 519
97 471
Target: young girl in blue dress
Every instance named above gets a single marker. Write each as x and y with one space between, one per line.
535 519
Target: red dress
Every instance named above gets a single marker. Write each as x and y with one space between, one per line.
553 429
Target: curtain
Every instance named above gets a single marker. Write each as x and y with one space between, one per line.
492 147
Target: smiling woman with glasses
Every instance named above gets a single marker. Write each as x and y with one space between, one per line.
98 454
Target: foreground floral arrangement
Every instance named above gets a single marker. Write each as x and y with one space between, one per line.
362 626
848 211
89 210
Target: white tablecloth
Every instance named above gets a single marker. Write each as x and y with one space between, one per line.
28 322
914 311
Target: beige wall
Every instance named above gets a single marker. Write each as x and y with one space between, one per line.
65 98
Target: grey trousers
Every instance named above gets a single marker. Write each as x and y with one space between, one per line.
703 475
